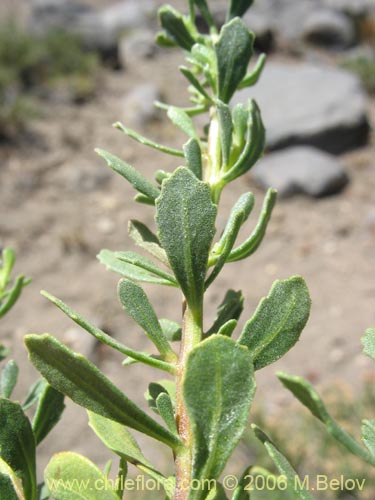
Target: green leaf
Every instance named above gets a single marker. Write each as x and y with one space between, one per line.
241 492
10 484
171 329
118 439
283 465
185 217
368 342
249 246
253 77
17 445
189 75
107 339
205 11
226 129
217 493
254 145
165 409
83 478
219 254
146 239
9 376
141 262
7 260
230 308
238 8
278 321
228 328
240 115
135 267
137 180
145 200
306 394
176 27
136 304
13 294
147 142
77 378
193 156
309 397
233 49
34 393
48 413
368 435
218 389
4 352
161 387
183 121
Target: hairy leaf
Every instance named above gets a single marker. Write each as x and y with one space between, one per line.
9 376
175 26
233 49
283 465
249 246
165 410
309 397
135 267
368 435
107 339
48 413
10 484
368 342
254 144
193 155
132 175
238 8
242 492
254 75
146 239
136 304
189 75
147 142
183 121
118 439
171 329
226 129
185 217
218 390
76 377
230 308
86 480
278 321
17 445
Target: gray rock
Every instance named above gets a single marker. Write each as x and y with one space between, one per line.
309 104
354 8
138 105
46 15
99 29
329 28
136 46
300 170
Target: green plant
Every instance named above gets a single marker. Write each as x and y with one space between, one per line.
31 67
207 398
364 67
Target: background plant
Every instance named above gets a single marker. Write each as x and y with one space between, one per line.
31 68
206 412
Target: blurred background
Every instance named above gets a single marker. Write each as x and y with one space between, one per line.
68 70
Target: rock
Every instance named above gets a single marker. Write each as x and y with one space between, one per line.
99 29
138 105
136 46
263 30
47 15
354 8
300 170
329 28
309 104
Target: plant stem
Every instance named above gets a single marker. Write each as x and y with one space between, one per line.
191 335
